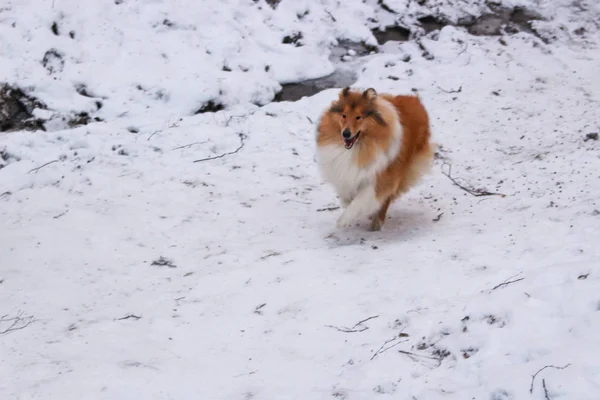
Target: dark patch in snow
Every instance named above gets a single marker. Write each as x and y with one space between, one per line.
5 159
498 21
54 28
164 262
348 47
272 3
16 110
591 136
53 61
210 106
82 89
295 39
468 353
296 91
430 23
391 33
386 7
501 394
81 118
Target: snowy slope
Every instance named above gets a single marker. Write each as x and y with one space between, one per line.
138 273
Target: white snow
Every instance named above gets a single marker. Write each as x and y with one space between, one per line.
260 284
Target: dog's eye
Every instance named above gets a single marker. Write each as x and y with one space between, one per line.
358 117
344 116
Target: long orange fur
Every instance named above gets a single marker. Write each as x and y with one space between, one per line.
369 113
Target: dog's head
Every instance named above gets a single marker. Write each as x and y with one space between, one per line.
356 113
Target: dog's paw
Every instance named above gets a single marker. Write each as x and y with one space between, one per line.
376 224
344 221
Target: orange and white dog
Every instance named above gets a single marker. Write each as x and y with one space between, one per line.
372 148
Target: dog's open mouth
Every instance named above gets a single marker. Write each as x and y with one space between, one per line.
350 141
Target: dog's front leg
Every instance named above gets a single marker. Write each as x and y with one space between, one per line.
365 203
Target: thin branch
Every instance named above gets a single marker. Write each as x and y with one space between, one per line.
18 322
61 214
241 146
540 370
42 166
188 145
383 349
411 355
328 209
471 191
356 326
272 254
153 133
130 316
331 16
545 389
506 283
451 90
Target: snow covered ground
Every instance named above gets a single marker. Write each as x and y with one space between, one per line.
136 273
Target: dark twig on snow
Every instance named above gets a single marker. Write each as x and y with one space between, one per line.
153 133
17 324
437 219
540 370
410 354
258 309
187 146
272 254
545 389
452 90
241 146
42 166
383 349
507 282
328 209
358 327
60 215
471 191
130 316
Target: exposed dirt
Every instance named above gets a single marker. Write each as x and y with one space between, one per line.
295 91
391 33
498 21
16 110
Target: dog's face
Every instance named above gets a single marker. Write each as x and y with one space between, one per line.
356 113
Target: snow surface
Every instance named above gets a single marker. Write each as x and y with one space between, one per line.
259 286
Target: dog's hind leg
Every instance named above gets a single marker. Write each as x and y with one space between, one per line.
379 218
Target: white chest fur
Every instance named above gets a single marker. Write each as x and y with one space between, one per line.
339 166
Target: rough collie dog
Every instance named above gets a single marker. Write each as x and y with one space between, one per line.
372 148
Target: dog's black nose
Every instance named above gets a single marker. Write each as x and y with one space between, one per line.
346 134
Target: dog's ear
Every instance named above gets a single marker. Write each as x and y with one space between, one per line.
345 92
370 94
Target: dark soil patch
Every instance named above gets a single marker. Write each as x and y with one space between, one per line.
359 48
210 106
272 3
391 33
164 262
296 91
295 39
16 110
495 23
81 118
